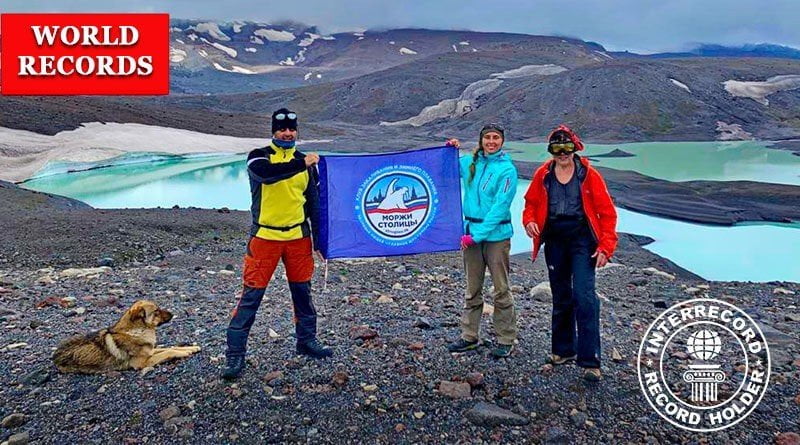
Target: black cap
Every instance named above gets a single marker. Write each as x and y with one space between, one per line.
497 128
283 119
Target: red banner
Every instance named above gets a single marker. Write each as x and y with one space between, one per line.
92 54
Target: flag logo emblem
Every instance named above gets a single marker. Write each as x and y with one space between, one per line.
396 204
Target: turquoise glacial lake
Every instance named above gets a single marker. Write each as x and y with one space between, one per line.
688 161
746 252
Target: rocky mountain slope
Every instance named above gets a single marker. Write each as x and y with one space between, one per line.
404 88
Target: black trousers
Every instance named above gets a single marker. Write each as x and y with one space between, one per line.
568 249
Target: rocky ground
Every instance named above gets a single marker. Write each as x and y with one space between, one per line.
388 321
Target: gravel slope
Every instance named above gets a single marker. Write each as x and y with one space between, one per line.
380 390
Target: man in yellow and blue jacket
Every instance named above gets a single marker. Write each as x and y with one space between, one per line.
285 210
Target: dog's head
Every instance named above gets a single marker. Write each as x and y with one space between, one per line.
148 313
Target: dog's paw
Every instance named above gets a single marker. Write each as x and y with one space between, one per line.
145 371
193 349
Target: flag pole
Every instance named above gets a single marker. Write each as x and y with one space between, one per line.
325 278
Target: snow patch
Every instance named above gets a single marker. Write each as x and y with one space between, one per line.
732 132
213 30
758 91
176 55
360 38
237 27
467 101
319 76
230 51
358 34
454 48
287 62
307 41
250 49
602 53
680 84
530 70
256 40
274 35
300 57
307 76
174 29
202 52
180 41
22 153
391 42
192 37
449 108
464 43
407 51
234 69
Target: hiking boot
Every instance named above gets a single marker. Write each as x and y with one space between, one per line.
501 351
462 345
592 374
233 367
556 359
314 349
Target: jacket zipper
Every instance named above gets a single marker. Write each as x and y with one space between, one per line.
483 187
478 191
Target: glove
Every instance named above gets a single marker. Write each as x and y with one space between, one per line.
467 241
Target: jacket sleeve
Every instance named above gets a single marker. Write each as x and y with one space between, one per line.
311 206
531 202
261 170
506 190
606 216
463 166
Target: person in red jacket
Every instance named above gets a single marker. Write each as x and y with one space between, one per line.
569 209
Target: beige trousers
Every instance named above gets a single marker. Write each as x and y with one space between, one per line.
495 256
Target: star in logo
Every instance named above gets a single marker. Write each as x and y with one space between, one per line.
649 363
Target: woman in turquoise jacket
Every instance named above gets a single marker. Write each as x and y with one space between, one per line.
490 182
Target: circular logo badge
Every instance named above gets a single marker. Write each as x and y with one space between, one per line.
703 365
396 204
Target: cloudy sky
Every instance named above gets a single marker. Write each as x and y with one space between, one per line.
637 25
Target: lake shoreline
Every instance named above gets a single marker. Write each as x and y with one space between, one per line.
723 203
54 241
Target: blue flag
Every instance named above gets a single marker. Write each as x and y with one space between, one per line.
390 204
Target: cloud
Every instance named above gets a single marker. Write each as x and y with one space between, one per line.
641 25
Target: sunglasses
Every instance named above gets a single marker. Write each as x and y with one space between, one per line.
561 147
282 116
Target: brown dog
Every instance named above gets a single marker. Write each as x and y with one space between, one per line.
129 344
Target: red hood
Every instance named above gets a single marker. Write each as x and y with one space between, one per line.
572 135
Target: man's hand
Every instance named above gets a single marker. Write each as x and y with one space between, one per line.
311 159
532 230
602 260
453 143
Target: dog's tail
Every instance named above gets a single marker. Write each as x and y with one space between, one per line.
76 354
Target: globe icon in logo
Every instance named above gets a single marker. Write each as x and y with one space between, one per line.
704 345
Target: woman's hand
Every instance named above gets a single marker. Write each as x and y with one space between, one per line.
453 143
467 241
532 230
602 259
